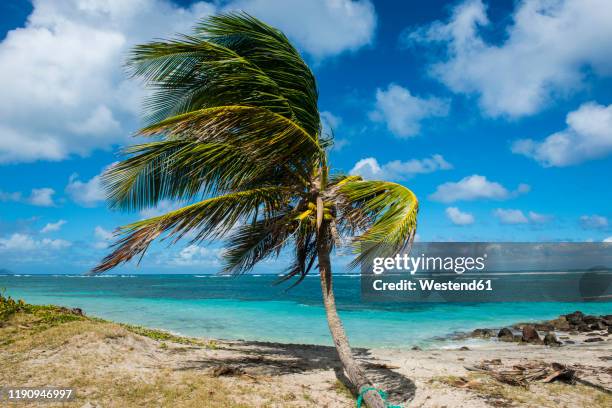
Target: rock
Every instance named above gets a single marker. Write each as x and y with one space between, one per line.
583 327
545 327
599 325
464 348
560 324
530 335
416 348
74 311
593 340
570 342
551 340
574 318
483 333
590 319
609 329
505 334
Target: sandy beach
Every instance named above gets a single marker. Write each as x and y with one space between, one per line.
115 365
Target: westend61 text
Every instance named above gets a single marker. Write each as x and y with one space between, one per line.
430 284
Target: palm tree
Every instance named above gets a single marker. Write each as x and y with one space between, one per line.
237 132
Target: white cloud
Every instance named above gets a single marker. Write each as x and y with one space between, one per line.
538 218
340 143
42 197
369 168
5 196
55 243
548 50
330 123
86 193
594 221
23 242
53 226
403 112
63 88
322 28
103 236
331 120
475 187
194 255
63 96
17 241
609 239
459 217
512 216
588 136
162 207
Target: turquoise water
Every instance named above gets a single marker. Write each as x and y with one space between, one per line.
250 307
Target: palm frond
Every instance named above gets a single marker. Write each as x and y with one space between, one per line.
209 218
182 170
384 212
247 127
270 50
213 150
305 253
256 241
189 73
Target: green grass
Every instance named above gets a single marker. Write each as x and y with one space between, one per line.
54 345
342 389
50 315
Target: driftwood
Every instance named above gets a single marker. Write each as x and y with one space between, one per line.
523 375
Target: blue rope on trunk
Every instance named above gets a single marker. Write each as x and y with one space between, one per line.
382 394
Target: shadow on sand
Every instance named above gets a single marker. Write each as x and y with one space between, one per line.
260 358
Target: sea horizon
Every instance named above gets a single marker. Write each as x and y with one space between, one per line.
250 307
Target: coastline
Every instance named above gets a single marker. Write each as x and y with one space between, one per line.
245 307
111 364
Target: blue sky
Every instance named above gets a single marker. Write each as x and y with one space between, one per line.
497 114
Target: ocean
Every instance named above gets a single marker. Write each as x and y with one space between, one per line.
249 307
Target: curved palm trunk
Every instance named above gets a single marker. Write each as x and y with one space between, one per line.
353 371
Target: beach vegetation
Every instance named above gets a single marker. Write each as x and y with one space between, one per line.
536 394
98 359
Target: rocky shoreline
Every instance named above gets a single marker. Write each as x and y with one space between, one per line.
555 333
